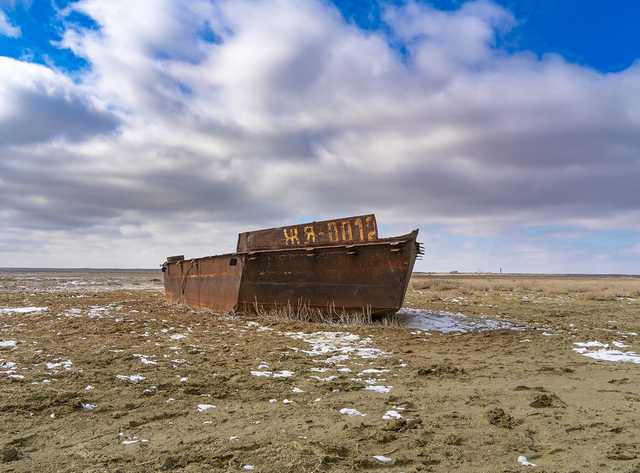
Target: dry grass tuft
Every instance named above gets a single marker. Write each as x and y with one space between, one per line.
302 312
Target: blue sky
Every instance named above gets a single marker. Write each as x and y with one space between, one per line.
599 35
506 130
588 32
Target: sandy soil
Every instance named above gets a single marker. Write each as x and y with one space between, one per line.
118 380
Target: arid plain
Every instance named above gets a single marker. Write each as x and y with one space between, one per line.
98 373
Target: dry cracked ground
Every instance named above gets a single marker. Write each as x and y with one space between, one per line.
98 373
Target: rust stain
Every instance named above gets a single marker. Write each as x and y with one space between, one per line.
347 230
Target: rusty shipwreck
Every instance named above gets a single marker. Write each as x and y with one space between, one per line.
334 265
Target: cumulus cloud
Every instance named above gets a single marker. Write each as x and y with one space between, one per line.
39 105
6 28
218 116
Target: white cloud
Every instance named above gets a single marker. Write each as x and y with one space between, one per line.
292 112
6 28
40 105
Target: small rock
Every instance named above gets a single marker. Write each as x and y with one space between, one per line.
9 454
441 370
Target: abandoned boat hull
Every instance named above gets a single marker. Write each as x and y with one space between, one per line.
368 276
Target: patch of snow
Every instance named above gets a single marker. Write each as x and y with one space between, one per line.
87 406
296 390
66 364
337 359
272 401
379 389
5 344
22 310
368 353
262 374
382 459
133 441
604 353
144 359
88 387
133 378
348 411
184 379
391 415
611 355
339 345
373 371
592 344
248 467
524 461
273 374
328 378
96 311
283 374
287 401
177 336
205 407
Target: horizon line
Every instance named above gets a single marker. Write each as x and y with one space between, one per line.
439 273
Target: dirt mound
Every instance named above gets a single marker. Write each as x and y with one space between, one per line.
545 400
500 418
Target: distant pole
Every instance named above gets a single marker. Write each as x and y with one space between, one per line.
500 269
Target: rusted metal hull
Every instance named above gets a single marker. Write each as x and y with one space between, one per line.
211 282
369 276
